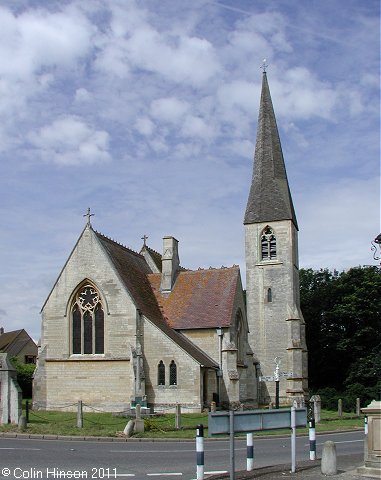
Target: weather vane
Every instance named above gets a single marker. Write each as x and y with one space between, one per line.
88 215
264 65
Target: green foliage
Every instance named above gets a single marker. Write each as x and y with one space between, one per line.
24 376
343 319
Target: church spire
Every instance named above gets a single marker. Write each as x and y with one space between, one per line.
269 198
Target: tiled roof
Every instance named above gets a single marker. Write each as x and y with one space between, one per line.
133 269
269 197
156 257
199 299
13 342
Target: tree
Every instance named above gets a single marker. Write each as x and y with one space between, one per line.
343 325
25 373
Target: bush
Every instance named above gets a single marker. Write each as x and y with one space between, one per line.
24 376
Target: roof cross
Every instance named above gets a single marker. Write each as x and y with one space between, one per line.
88 215
144 238
264 65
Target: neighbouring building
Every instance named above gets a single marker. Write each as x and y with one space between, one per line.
18 344
121 327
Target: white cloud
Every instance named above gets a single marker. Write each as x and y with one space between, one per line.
169 109
70 141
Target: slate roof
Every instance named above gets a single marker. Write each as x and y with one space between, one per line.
13 342
269 197
134 272
199 298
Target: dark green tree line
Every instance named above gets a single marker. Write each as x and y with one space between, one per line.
343 330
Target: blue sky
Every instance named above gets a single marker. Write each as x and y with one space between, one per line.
146 112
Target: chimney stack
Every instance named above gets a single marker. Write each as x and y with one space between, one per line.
170 264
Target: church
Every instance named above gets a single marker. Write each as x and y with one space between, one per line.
121 327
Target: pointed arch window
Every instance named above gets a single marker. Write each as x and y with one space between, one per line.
268 244
173 373
161 373
87 317
269 295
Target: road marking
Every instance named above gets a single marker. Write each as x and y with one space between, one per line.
174 474
216 472
15 448
125 475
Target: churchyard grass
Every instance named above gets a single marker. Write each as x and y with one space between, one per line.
160 426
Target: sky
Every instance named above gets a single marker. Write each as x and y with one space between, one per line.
146 112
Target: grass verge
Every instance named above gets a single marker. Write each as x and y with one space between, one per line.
158 426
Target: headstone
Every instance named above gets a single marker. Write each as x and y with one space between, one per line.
10 392
340 408
129 428
316 400
139 423
328 459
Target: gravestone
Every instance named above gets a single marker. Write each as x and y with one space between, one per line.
316 400
10 392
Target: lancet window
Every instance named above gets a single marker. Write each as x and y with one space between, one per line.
268 244
87 322
172 373
161 373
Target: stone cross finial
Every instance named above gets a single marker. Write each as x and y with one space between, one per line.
144 238
264 65
88 215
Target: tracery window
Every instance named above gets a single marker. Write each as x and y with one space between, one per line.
172 373
87 322
268 244
161 373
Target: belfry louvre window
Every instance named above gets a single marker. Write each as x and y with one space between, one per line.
161 373
172 373
87 322
268 244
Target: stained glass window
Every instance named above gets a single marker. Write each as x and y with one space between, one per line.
172 373
87 322
161 373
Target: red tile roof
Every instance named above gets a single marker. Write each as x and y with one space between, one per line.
199 299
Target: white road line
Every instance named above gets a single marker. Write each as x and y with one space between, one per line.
173 474
15 448
216 472
125 475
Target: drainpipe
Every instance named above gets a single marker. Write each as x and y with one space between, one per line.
220 334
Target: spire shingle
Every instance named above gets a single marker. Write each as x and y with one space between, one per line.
269 198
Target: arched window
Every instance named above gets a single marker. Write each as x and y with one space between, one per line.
268 244
87 318
269 295
172 373
161 373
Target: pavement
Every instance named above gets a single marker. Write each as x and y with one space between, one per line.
311 470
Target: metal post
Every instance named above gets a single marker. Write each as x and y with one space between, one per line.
200 452
312 438
249 452
231 430
27 411
276 393
293 440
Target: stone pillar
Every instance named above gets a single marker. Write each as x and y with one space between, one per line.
139 422
10 392
372 460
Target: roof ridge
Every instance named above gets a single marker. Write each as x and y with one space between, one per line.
117 243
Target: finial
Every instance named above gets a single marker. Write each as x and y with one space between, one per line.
264 65
144 238
88 215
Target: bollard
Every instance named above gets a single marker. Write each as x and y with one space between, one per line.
27 411
312 438
328 459
80 414
249 452
200 452
366 425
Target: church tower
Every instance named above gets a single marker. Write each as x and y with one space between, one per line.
277 329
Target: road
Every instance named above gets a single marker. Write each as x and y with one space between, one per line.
53 459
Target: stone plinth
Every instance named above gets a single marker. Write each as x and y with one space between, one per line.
372 459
